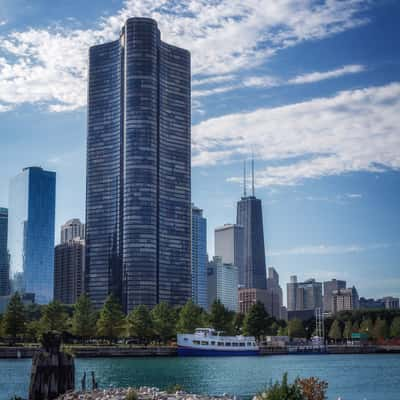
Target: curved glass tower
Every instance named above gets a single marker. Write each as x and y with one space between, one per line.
138 169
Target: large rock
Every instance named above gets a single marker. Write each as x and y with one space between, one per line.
53 372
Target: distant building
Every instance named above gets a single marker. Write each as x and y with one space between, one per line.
391 303
274 300
305 295
303 315
371 304
27 299
229 245
72 229
344 300
223 283
4 262
329 287
199 258
69 269
31 232
250 296
284 313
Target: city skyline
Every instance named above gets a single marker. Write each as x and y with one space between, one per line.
330 206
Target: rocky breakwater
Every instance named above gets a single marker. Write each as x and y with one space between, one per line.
143 393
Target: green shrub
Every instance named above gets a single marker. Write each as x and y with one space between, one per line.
281 391
132 395
175 388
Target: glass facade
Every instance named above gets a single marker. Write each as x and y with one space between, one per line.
31 232
4 265
138 169
199 258
249 216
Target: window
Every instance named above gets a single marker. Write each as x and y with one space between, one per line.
204 343
227 344
220 344
196 342
212 343
234 344
242 344
248 343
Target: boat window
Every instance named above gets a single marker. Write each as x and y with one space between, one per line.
221 344
248 343
196 342
204 343
212 343
242 344
227 344
234 344
185 339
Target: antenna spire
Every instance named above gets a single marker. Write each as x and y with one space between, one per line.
244 179
252 176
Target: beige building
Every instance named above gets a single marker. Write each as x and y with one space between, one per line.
344 299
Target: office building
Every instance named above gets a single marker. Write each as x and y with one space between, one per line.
344 300
31 232
329 287
249 216
229 245
69 267
199 258
138 198
391 303
305 295
274 293
72 229
4 264
223 283
248 297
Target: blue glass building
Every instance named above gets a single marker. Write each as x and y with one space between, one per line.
199 258
4 265
138 194
31 232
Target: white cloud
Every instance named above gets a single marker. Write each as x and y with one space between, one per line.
48 65
355 130
320 76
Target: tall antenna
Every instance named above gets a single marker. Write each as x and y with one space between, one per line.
244 179
252 175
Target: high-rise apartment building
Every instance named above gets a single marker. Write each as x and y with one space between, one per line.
4 264
223 282
31 232
291 292
329 287
344 300
199 258
69 266
229 245
72 229
305 295
249 216
274 301
138 199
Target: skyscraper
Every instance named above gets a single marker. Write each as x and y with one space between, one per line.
31 232
138 199
305 295
274 294
291 292
4 264
229 245
329 287
72 229
199 258
249 216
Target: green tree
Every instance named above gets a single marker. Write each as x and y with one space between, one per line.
356 327
221 319
256 321
190 317
140 324
283 331
111 322
348 327
381 329
164 321
296 328
282 391
367 326
14 319
395 328
54 318
335 332
238 323
84 318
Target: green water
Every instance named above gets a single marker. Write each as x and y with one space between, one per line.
352 377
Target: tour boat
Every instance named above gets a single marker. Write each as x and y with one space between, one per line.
207 342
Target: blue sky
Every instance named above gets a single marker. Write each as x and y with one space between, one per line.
311 88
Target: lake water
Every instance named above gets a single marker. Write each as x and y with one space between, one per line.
352 377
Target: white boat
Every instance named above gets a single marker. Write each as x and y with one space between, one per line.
207 342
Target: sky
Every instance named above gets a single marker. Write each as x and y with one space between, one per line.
310 89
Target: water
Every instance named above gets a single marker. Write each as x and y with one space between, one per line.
352 377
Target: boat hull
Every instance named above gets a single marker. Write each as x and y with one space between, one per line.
193 352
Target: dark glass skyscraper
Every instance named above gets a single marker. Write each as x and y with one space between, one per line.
249 216
31 232
4 265
138 206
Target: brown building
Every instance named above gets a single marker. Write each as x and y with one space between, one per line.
69 266
345 299
249 296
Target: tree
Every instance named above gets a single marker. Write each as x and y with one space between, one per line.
335 332
111 322
367 326
190 318
54 318
238 323
221 319
283 331
381 329
14 319
395 328
356 327
140 324
312 388
296 328
164 321
84 318
282 390
348 327
256 321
